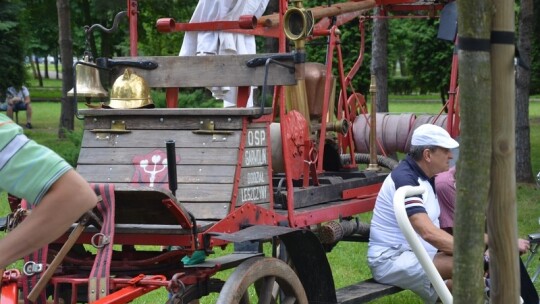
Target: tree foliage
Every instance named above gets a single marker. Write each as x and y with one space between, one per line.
429 57
12 46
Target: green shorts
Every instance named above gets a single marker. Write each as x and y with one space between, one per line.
27 169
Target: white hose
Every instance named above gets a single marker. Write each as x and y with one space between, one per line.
414 242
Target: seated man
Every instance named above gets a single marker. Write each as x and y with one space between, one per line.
445 183
45 180
390 257
19 100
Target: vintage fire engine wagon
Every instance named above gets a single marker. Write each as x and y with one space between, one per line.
175 183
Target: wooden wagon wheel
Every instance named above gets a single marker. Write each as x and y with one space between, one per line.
263 274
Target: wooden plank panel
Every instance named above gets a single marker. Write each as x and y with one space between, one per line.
304 197
155 138
208 211
168 112
143 205
194 192
209 174
208 71
157 119
187 156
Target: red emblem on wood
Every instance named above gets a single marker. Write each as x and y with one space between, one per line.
151 169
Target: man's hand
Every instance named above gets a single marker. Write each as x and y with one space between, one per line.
15 100
523 246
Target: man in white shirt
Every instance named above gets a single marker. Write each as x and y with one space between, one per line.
390 257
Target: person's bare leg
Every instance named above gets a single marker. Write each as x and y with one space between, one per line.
9 112
29 113
444 264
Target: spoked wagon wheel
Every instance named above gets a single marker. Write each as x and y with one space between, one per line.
263 275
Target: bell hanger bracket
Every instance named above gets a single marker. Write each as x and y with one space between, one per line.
106 63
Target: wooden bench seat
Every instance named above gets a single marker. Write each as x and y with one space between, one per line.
15 114
364 291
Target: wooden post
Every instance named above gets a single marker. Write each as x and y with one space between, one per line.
473 166
501 212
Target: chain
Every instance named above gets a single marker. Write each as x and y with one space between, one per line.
176 289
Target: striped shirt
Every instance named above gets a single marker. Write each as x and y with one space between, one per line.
27 169
385 230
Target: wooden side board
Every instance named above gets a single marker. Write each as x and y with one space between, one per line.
210 71
215 169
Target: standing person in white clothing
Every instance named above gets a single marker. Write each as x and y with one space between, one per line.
223 42
390 257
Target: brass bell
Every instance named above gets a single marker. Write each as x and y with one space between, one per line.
88 83
130 91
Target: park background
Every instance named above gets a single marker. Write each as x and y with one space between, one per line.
47 113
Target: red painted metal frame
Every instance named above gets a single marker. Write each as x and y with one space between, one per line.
135 288
453 120
344 209
9 293
133 13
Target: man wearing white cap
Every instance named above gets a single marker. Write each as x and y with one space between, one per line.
390 257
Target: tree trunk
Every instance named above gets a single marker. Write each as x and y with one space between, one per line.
523 80
66 52
46 62
38 71
33 66
379 62
473 166
501 212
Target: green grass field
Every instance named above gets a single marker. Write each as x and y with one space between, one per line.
348 260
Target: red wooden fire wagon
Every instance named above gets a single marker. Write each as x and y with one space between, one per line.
175 183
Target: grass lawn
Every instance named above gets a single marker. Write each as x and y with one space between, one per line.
348 260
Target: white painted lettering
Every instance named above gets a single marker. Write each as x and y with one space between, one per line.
256 138
255 178
255 157
254 193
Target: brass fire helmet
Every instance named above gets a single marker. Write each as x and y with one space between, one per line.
130 91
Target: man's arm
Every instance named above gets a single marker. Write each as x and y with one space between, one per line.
437 237
65 202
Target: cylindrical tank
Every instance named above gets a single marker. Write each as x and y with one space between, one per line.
278 165
315 75
392 132
439 120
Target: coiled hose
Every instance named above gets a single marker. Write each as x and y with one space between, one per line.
363 158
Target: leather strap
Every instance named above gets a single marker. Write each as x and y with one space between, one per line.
33 262
99 280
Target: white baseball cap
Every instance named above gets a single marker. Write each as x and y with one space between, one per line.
432 135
